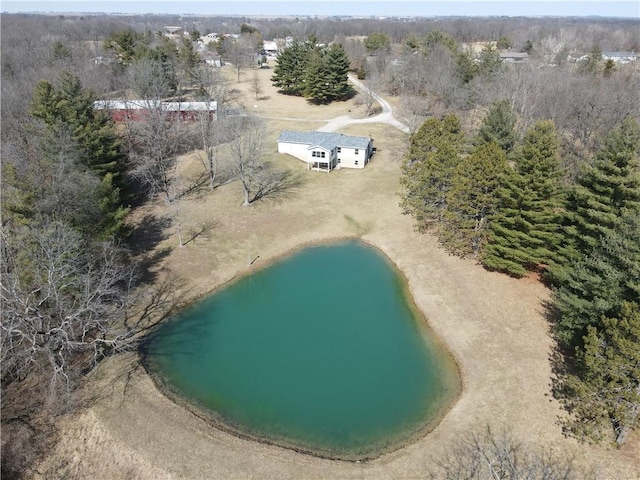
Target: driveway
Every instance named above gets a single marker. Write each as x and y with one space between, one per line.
386 116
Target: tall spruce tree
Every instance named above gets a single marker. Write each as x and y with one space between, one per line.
525 231
66 110
290 72
602 190
498 126
428 169
471 200
604 394
316 87
596 286
338 75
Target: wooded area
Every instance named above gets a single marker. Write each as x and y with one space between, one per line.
530 167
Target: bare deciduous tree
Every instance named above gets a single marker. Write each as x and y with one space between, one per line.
258 178
61 298
489 455
413 111
256 85
213 131
368 96
247 148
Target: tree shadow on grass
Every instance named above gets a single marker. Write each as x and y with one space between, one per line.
562 361
201 231
276 185
143 243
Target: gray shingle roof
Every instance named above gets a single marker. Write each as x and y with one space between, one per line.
327 140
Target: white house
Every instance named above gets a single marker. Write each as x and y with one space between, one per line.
270 48
326 150
620 57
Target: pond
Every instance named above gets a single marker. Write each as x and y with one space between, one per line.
322 352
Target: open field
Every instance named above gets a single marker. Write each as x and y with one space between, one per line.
492 324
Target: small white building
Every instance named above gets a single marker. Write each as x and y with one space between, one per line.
620 57
270 48
324 151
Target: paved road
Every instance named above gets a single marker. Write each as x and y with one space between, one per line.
386 116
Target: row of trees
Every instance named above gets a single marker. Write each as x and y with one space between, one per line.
319 73
75 285
508 204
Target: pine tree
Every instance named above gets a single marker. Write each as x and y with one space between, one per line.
602 190
316 86
290 72
604 397
338 75
596 287
67 109
525 231
428 168
489 61
498 126
471 200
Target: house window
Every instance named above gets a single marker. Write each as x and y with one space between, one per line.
339 150
356 151
313 154
356 162
322 154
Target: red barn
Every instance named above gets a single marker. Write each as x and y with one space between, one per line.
134 110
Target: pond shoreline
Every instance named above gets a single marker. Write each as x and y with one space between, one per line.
391 444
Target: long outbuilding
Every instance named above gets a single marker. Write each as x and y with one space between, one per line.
133 110
324 151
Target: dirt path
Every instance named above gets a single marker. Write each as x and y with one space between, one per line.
492 324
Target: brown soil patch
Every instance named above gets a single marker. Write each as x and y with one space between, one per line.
492 324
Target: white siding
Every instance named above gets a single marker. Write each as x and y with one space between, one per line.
295 149
348 158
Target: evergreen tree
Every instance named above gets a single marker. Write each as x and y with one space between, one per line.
596 287
466 68
428 168
438 37
525 231
66 109
471 200
489 61
602 190
377 43
290 72
125 45
316 86
338 72
604 397
592 64
498 126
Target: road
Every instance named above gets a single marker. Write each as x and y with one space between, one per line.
386 116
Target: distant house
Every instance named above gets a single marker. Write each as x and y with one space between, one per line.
514 57
324 151
212 58
270 48
171 30
620 57
135 110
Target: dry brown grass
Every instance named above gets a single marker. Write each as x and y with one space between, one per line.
492 324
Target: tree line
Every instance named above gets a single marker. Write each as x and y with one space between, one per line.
507 203
77 282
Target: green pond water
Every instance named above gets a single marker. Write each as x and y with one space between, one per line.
321 352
